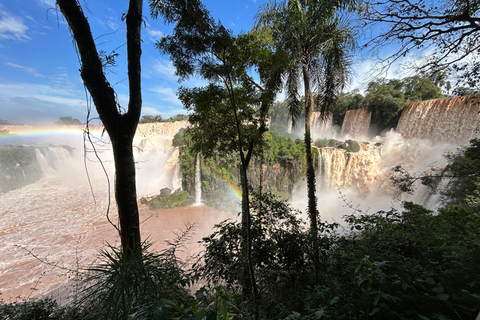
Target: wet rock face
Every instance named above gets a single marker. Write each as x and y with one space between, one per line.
452 120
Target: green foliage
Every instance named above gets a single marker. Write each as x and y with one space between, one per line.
282 161
280 251
178 117
279 117
463 172
169 200
385 99
151 119
348 145
158 118
179 138
346 101
420 89
321 143
43 309
147 286
352 146
458 182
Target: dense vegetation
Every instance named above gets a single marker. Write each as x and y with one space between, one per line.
407 264
159 118
278 168
168 199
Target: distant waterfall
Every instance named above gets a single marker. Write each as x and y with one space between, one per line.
453 120
321 126
177 177
356 123
198 182
290 124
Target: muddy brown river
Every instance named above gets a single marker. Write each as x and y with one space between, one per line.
54 225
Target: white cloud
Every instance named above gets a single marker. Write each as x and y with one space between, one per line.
166 94
12 27
29 70
47 3
154 35
164 69
29 102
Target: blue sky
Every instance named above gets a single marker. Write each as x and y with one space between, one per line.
39 77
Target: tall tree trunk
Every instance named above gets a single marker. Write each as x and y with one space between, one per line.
120 127
312 199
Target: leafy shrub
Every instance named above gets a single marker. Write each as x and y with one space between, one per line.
352 146
43 309
167 200
321 143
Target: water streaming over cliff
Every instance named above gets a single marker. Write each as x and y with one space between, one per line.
198 182
338 168
356 123
157 159
320 127
452 120
426 131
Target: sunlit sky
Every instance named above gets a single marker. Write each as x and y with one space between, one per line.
39 77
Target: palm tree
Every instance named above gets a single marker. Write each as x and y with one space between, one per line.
319 44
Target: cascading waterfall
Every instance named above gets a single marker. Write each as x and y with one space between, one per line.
198 182
452 120
338 168
356 123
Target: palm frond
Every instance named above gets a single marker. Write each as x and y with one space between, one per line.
293 98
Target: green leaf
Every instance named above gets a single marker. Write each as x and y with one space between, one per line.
334 300
319 313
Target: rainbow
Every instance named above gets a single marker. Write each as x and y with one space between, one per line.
13 133
233 189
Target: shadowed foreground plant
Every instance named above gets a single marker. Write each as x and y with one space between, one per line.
144 286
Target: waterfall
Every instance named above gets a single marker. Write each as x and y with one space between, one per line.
290 124
198 182
50 158
341 169
356 123
177 177
321 127
451 120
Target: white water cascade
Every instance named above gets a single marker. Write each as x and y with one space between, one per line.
198 182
